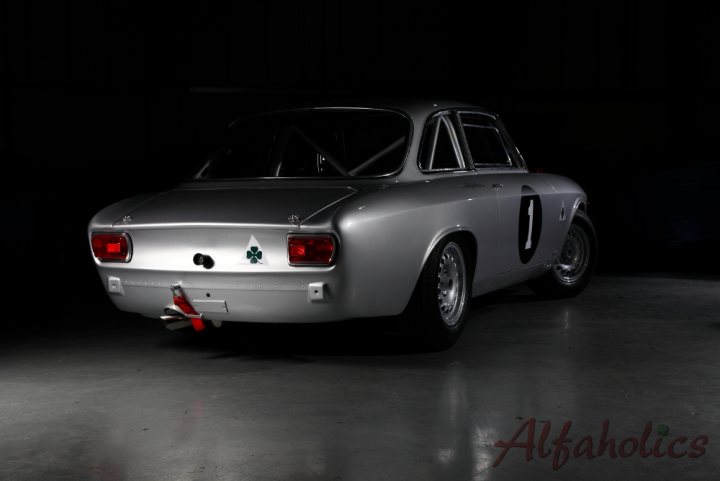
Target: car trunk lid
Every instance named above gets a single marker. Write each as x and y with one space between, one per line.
234 206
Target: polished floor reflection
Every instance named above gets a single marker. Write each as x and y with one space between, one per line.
122 399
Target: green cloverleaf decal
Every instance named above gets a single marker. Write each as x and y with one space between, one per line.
254 254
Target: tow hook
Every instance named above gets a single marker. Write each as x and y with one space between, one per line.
181 313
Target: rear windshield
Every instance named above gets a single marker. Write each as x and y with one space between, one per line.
312 143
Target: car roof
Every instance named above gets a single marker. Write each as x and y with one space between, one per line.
426 107
412 107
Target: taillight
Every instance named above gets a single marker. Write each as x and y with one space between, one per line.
311 250
111 247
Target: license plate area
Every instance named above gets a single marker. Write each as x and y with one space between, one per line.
203 305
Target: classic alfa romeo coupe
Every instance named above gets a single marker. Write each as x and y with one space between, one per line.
331 213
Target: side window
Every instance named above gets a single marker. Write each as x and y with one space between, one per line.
439 149
484 140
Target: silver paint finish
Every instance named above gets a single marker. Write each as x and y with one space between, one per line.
385 229
245 204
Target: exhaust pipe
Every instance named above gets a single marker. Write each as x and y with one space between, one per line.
175 319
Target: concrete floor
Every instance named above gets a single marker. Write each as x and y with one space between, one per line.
122 399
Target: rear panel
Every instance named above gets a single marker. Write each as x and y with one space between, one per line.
250 278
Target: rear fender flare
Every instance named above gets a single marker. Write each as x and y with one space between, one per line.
441 235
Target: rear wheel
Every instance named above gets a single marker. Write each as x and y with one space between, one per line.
575 265
439 307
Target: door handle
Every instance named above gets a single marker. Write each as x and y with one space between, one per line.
497 186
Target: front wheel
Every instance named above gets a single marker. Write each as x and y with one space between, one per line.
442 297
574 267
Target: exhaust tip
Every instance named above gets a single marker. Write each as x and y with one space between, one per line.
175 319
173 323
181 313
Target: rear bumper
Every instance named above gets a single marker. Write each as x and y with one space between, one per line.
302 297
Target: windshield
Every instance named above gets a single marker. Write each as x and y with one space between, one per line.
312 143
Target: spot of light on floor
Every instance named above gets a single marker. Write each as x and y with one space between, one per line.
483 444
455 392
446 455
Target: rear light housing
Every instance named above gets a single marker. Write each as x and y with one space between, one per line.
311 250
111 247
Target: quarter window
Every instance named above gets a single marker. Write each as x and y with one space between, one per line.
484 140
440 147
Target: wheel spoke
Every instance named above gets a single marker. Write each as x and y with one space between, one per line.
574 258
451 284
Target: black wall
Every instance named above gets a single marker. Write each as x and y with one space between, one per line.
101 100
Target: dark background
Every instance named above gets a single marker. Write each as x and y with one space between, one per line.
101 100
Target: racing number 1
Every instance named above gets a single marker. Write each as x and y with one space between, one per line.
529 224
528 242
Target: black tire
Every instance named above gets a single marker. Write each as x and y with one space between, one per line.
440 303
574 268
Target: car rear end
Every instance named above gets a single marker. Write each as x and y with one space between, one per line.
251 236
211 249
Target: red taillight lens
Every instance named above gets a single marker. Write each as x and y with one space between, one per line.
311 250
111 247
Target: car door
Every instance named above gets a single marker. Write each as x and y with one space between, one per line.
520 195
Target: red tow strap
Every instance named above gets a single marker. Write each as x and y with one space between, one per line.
185 306
198 324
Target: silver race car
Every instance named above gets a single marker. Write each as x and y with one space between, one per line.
331 213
